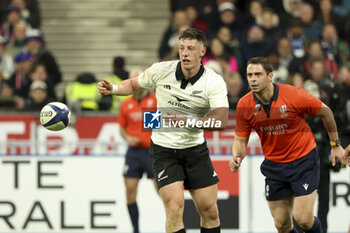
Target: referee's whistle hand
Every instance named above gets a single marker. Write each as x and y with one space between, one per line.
235 163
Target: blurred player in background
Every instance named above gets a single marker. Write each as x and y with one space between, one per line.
137 158
291 165
180 157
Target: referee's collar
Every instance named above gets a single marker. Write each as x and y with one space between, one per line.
180 76
274 96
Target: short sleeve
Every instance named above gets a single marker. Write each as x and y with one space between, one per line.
309 104
122 118
147 79
217 93
243 127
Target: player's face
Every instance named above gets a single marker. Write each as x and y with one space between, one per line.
257 78
191 53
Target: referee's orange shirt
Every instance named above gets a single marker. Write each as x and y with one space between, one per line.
285 136
131 118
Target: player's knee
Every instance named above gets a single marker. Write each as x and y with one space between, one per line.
283 225
304 221
209 212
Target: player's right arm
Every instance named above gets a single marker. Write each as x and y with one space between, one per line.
239 149
126 87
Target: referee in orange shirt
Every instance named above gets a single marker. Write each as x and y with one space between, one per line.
291 165
137 159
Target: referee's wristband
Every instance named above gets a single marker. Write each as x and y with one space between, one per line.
115 89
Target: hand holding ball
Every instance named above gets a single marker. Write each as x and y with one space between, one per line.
55 116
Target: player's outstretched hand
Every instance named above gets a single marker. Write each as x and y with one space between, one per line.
105 87
235 163
338 152
347 155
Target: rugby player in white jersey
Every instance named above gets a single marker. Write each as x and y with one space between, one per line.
180 156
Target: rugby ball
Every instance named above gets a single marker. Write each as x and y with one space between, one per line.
55 116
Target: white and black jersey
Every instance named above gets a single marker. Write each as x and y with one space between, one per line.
195 97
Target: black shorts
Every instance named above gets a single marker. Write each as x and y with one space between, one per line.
192 165
137 162
300 177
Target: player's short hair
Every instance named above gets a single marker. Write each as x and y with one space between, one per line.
266 64
194 33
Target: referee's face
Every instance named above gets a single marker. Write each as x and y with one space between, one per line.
191 53
257 78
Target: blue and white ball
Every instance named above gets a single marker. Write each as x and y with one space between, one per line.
55 116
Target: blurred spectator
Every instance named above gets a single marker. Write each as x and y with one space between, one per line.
119 68
81 95
234 89
218 50
342 9
344 93
316 53
255 44
319 74
312 27
6 62
230 17
113 102
35 45
291 11
232 44
19 79
16 45
174 52
12 17
38 97
295 79
297 37
194 20
335 48
170 36
269 21
280 73
3 9
284 51
326 15
38 73
30 11
253 9
214 65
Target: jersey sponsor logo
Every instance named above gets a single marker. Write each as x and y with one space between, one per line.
179 99
274 129
151 120
180 105
267 189
305 186
167 87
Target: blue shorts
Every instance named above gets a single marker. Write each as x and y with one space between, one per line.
137 162
300 177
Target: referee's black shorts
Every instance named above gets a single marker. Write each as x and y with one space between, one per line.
192 165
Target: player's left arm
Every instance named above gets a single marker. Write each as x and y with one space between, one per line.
331 126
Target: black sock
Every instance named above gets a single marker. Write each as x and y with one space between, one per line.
295 230
316 228
181 231
210 230
134 216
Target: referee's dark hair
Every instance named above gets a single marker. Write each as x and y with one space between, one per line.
194 33
266 64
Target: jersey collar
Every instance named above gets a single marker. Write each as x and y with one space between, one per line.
274 96
180 76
